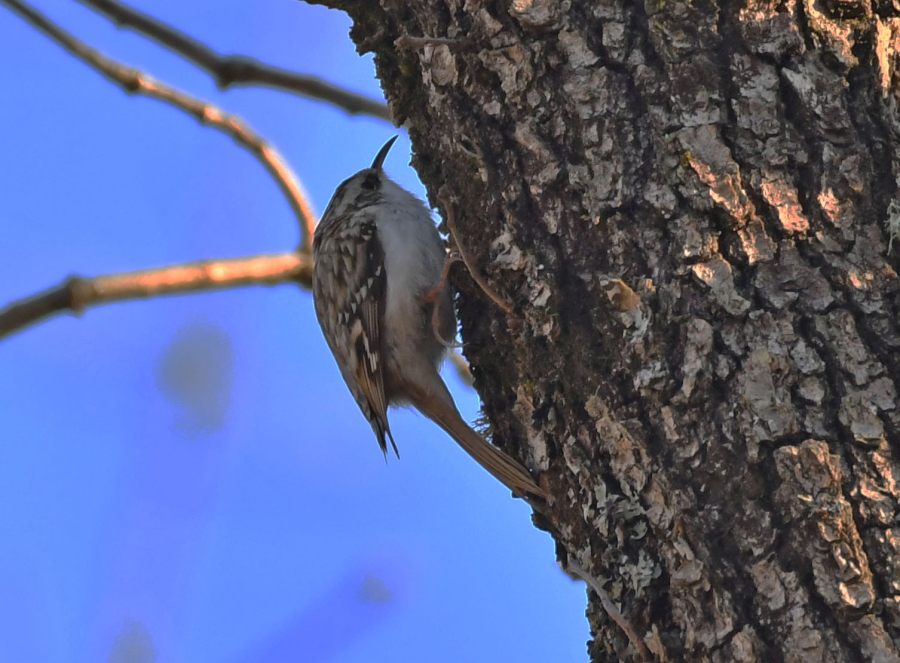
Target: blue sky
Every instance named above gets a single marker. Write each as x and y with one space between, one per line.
189 476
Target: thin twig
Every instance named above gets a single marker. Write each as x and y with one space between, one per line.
234 69
433 297
614 613
492 294
414 43
137 82
77 293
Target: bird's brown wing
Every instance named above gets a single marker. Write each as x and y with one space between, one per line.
356 289
368 344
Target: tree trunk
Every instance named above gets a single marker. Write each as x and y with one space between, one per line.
688 206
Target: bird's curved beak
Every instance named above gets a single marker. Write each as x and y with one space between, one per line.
382 153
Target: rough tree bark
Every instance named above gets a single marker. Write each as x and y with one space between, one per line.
687 205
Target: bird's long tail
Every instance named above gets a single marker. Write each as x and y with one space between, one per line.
504 468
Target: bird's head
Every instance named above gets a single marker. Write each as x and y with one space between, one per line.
368 187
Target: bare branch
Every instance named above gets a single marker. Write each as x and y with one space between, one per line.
77 293
237 70
137 82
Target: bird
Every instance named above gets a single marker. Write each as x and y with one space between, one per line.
385 311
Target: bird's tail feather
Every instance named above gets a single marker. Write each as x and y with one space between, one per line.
503 467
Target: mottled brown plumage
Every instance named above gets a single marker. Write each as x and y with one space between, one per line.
377 258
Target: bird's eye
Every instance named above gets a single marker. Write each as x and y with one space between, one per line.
370 182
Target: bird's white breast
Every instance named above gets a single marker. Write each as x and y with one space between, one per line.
414 258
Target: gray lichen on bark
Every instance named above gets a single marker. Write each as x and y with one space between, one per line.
721 443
